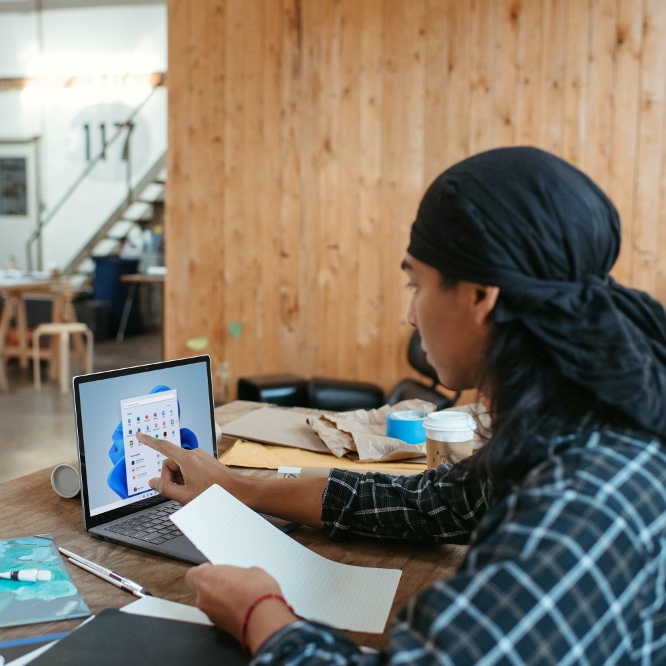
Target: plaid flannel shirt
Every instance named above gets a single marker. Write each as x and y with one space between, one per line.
569 568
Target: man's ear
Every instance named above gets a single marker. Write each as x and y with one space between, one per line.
485 301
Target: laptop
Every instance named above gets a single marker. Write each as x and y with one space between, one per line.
170 400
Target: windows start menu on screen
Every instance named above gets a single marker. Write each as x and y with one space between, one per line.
155 415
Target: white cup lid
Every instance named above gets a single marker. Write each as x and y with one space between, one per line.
450 421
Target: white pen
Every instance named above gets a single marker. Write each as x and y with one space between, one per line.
106 574
27 575
108 579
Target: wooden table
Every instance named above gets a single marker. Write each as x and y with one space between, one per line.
30 506
15 292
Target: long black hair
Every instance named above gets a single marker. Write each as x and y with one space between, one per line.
529 401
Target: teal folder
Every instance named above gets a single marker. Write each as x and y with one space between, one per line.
43 601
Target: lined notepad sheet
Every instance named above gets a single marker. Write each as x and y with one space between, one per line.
344 596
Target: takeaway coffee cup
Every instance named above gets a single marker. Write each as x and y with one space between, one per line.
65 480
449 437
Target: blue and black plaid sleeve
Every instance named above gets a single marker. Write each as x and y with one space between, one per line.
427 507
570 568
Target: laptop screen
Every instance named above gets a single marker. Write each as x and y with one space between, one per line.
171 400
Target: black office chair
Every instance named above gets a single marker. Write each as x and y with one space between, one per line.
340 395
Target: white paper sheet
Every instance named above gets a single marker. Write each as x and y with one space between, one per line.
167 610
344 596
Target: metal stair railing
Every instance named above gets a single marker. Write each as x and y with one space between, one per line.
116 216
121 128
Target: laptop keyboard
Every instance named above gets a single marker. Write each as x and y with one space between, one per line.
151 526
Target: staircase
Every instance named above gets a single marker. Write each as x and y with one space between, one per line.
103 217
142 209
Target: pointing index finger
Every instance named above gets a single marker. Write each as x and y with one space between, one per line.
161 445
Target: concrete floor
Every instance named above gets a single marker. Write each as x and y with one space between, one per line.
38 425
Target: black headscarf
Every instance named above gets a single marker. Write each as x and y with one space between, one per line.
532 224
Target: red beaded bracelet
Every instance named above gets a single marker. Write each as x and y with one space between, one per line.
250 610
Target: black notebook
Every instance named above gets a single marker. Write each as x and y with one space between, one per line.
114 637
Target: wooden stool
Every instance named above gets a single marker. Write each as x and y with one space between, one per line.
64 330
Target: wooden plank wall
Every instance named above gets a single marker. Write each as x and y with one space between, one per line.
302 134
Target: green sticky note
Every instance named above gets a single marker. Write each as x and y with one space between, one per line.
235 328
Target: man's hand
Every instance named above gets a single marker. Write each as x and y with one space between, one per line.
225 594
186 474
